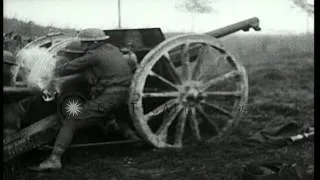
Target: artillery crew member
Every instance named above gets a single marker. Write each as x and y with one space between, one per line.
109 76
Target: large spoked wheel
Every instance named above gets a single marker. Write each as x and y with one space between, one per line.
46 41
187 85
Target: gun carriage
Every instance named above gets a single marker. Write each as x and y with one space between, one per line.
174 94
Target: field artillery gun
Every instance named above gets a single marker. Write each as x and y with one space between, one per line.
188 84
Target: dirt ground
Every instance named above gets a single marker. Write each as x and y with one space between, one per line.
281 88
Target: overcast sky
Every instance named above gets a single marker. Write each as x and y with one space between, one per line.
276 16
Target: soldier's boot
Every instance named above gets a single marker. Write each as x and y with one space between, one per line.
109 125
122 127
53 162
127 131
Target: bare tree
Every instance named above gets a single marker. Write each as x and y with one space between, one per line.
195 7
305 6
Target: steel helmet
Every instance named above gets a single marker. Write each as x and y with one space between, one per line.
92 34
74 47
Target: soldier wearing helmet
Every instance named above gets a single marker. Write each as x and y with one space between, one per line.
71 51
109 76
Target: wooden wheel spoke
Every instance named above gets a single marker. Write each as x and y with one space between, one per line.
174 91
231 62
160 109
180 128
224 77
194 125
219 109
172 94
216 61
185 60
172 68
206 117
223 93
199 62
167 121
152 73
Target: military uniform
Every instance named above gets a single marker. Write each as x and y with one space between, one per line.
109 75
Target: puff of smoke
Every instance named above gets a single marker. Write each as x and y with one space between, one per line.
40 65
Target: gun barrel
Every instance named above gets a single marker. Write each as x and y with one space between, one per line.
245 25
242 25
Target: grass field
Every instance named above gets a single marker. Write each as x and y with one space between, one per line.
281 87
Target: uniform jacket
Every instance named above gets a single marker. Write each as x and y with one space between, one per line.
103 66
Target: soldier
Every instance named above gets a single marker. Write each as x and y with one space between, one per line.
109 76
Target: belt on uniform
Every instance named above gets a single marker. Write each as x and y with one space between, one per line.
116 88
95 91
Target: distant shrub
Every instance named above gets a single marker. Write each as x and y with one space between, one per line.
241 46
30 29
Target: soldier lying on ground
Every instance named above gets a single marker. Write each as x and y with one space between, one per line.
109 76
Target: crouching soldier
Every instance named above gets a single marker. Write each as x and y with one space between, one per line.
109 76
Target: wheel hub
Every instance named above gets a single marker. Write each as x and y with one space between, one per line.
191 93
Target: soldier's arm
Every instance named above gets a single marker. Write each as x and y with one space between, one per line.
77 65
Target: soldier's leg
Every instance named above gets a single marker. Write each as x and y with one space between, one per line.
125 122
92 111
88 116
66 134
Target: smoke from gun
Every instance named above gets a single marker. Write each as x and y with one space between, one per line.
39 64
